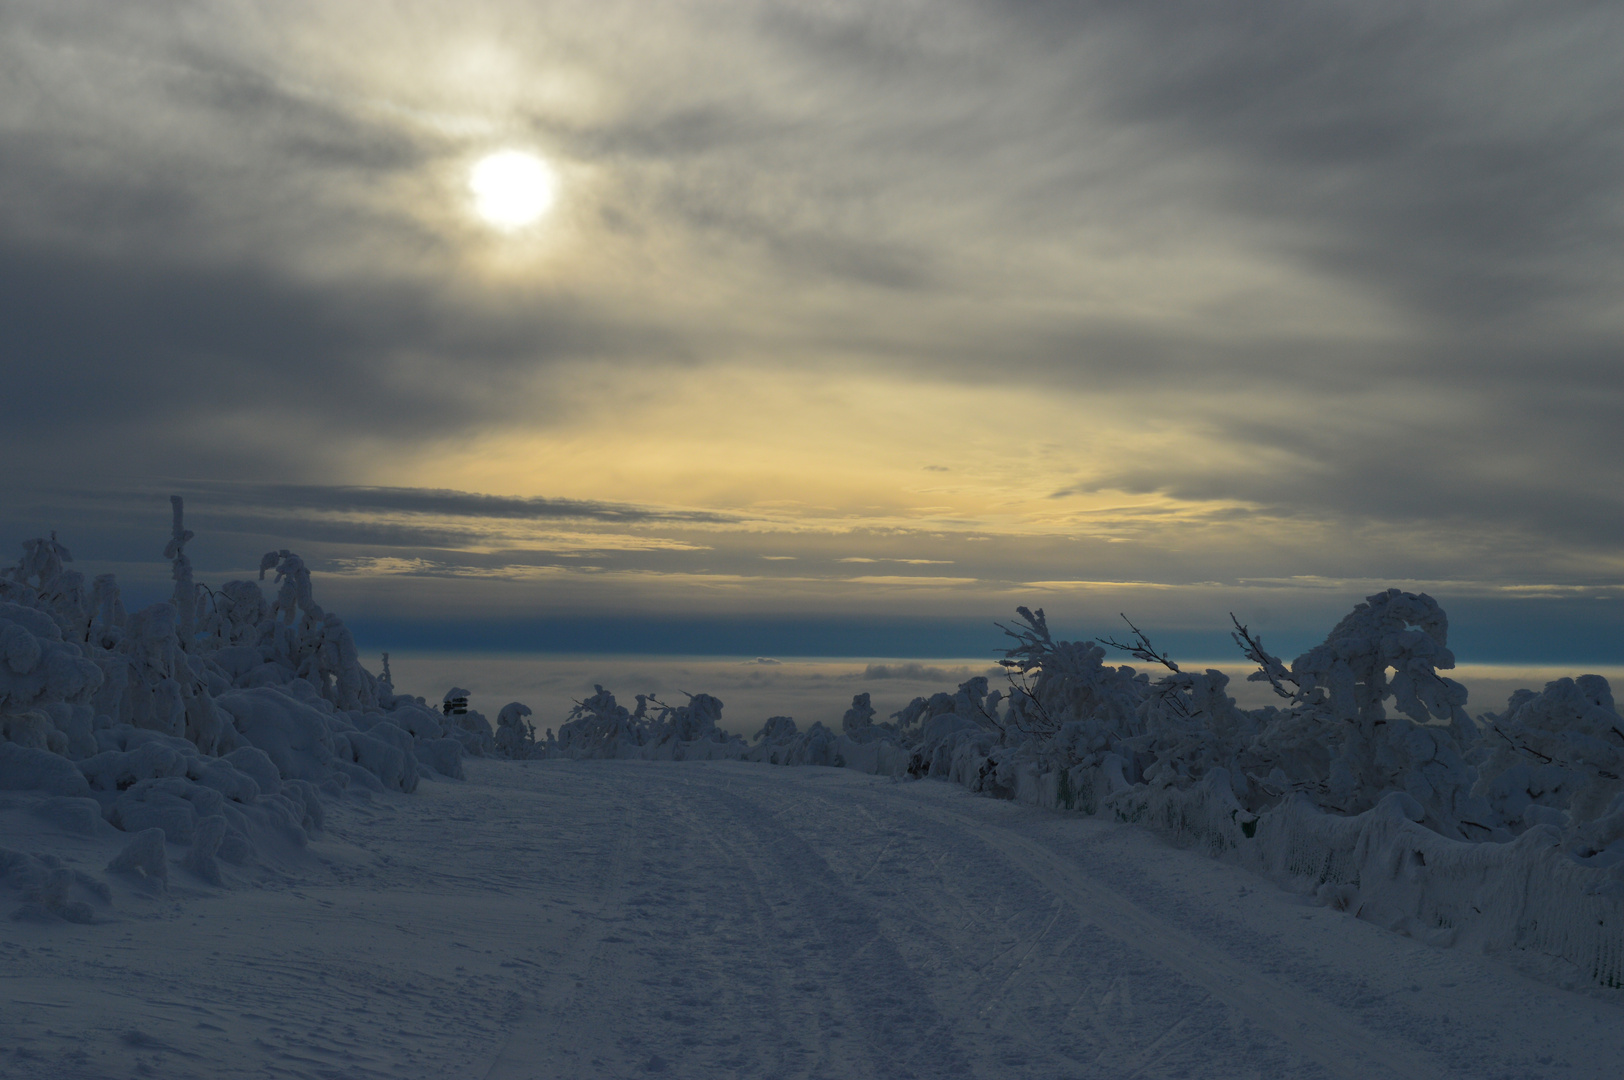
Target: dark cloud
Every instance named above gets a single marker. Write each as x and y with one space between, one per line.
150 356
1457 160
453 504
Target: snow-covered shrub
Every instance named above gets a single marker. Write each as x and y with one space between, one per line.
858 722
817 745
314 644
600 727
515 736
214 719
1336 741
46 684
41 580
692 722
1192 730
778 730
1056 683
1555 757
943 728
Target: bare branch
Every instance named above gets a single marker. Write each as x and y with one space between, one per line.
1141 648
1268 664
1169 695
1515 745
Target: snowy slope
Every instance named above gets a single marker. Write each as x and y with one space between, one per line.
714 919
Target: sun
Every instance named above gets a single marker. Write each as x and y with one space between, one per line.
512 188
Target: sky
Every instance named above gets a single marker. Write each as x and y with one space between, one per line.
852 326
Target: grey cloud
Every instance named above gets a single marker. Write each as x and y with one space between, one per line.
939 190
1455 162
1520 483
1431 154
315 129
456 504
917 672
149 349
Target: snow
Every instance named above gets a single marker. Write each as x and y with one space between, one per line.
698 919
1119 876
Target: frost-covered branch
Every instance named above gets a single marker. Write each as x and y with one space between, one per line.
1270 667
1141 648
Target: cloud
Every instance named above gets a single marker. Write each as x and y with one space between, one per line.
436 502
916 672
1069 296
910 562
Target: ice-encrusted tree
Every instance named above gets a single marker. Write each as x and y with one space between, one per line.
314 642
213 718
1056 683
515 736
1554 757
1336 740
598 725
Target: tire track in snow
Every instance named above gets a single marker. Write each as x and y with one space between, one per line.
1338 1043
823 924
885 999
941 943
945 920
552 1024
794 1006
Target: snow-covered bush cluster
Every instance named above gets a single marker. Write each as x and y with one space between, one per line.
1368 779
601 727
1363 714
219 719
1553 759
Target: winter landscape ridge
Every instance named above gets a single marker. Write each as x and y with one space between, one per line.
230 849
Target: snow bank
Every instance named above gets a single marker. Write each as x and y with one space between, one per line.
217 721
1386 867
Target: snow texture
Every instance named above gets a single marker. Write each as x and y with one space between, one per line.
624 918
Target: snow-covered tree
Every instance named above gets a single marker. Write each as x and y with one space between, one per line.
1554 757
515 736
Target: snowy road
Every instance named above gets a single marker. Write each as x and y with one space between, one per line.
621 919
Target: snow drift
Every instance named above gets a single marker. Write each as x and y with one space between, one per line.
218 720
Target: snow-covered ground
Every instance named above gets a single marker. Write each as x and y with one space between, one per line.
719 919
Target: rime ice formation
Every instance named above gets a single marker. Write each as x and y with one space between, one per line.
216 720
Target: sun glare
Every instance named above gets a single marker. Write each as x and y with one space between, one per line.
512 188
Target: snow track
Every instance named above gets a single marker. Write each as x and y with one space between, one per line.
630 919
